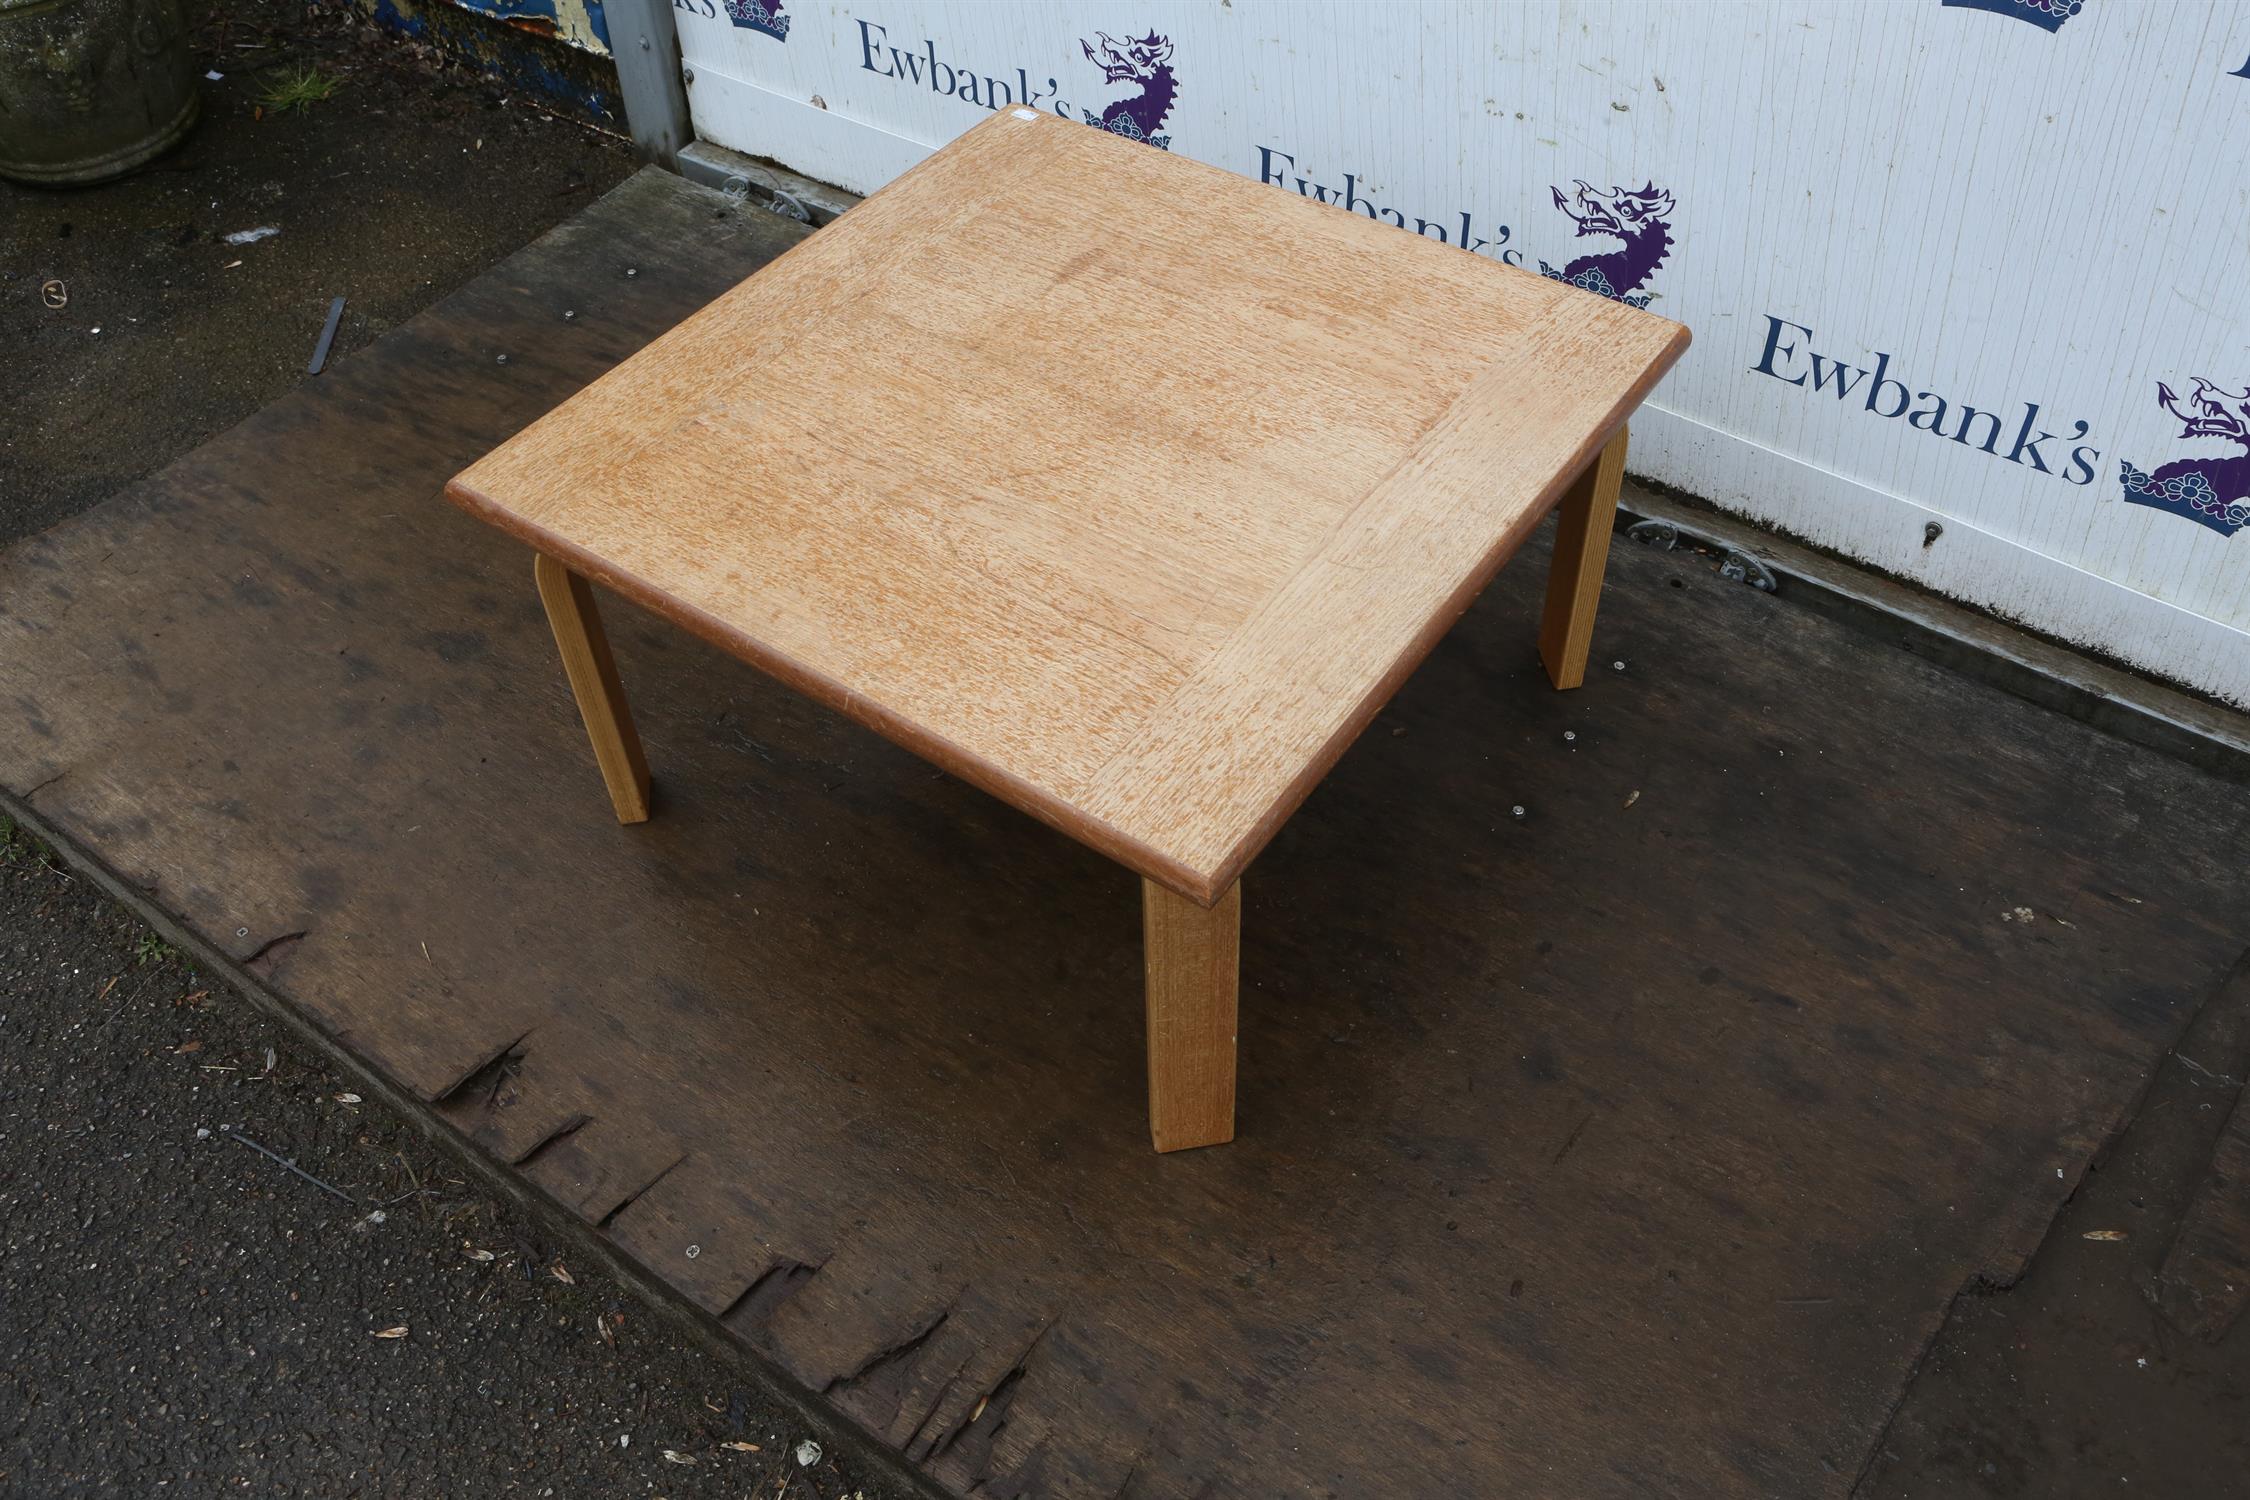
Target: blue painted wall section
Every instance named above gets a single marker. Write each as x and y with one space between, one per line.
555 49
577 22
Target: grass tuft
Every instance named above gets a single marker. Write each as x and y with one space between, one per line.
299 90
17 846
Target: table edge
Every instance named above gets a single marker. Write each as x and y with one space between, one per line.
1203 886
1055 811
1442 620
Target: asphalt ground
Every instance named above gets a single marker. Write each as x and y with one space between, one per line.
183 1313
224 1270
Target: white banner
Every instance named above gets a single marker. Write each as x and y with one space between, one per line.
1967 277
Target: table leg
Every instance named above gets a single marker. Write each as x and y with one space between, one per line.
593 680
1574 580
1193 967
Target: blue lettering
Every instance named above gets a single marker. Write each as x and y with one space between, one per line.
1925 411
869 34
1834 374
2026 446
1775 346
1960 434
2081 461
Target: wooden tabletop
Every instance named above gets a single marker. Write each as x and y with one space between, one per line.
1121 486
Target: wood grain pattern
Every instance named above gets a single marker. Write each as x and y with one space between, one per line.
577 624
1193 958
1039 503
1583 523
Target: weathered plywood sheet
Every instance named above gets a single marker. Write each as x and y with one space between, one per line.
1633 1145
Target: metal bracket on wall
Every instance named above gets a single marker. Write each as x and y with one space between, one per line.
1734 563
749 181
647 49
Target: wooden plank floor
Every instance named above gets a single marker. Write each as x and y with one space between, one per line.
1634 1145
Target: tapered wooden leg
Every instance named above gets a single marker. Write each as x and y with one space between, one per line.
1574 580
593 680
1193 965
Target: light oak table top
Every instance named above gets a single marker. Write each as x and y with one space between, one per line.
1121 486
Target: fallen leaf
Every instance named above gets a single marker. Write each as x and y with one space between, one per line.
2103 1234
196 999
474 1253
347 1098
561 1274
673 1456
392 1333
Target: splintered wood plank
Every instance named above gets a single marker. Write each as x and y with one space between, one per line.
1193 958
1040 504
577 623
1583 523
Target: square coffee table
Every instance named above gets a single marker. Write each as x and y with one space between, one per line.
1120 486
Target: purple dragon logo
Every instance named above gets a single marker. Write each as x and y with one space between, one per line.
1146 61
2047 15
1637 218
2213 491
760 15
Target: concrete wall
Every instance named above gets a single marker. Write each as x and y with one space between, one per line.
1977 267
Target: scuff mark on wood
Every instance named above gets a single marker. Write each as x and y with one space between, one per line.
882 1380
41 786
609 1216
569 1127
764 1297
485 1072
990 1412
271 949
1572 1139
966 1392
